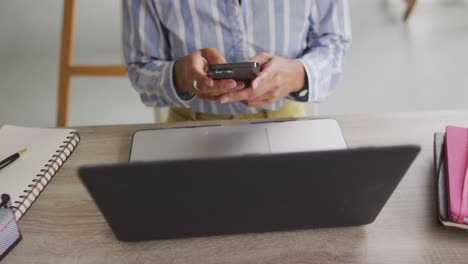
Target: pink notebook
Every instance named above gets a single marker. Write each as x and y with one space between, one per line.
456 139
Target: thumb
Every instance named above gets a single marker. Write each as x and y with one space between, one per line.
197 70
212 56
264 75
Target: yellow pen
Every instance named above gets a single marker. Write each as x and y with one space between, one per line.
12 158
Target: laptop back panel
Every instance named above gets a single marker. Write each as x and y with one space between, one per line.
258 193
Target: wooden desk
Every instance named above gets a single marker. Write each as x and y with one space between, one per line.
64 225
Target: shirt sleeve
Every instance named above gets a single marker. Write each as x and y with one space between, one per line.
147 57
329 38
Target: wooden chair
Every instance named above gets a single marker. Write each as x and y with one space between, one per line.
409 9
68 69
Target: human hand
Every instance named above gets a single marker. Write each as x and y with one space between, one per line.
278 77
192 68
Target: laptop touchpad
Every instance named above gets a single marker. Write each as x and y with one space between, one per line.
199 142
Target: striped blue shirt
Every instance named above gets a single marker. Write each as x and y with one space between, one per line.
157 32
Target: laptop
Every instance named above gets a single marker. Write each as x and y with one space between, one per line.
252 192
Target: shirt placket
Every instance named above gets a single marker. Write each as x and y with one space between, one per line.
239 43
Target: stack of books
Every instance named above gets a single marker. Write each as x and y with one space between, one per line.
451 171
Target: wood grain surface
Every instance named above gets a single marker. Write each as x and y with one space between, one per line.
64 225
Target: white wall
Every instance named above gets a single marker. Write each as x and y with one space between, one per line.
29 49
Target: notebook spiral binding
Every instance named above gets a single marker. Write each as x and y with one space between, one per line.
45 175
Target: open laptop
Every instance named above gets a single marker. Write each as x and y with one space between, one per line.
256 192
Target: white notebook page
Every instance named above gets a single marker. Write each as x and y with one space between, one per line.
42 144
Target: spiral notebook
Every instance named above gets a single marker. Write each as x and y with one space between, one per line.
27 177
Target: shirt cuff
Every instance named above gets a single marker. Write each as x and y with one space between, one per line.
304 94
176 99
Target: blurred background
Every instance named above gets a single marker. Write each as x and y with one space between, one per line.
392 66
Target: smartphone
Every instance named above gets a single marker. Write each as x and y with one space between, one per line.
242 71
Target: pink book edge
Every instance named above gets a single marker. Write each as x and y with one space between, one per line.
456 155
464 198
464 202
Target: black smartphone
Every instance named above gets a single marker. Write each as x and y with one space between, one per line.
242 71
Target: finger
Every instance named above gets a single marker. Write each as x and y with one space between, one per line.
256 102
197 71
266 99
208 97
240 95
224 84
218 87
261 58
202 84
212 56
264 75
239 86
